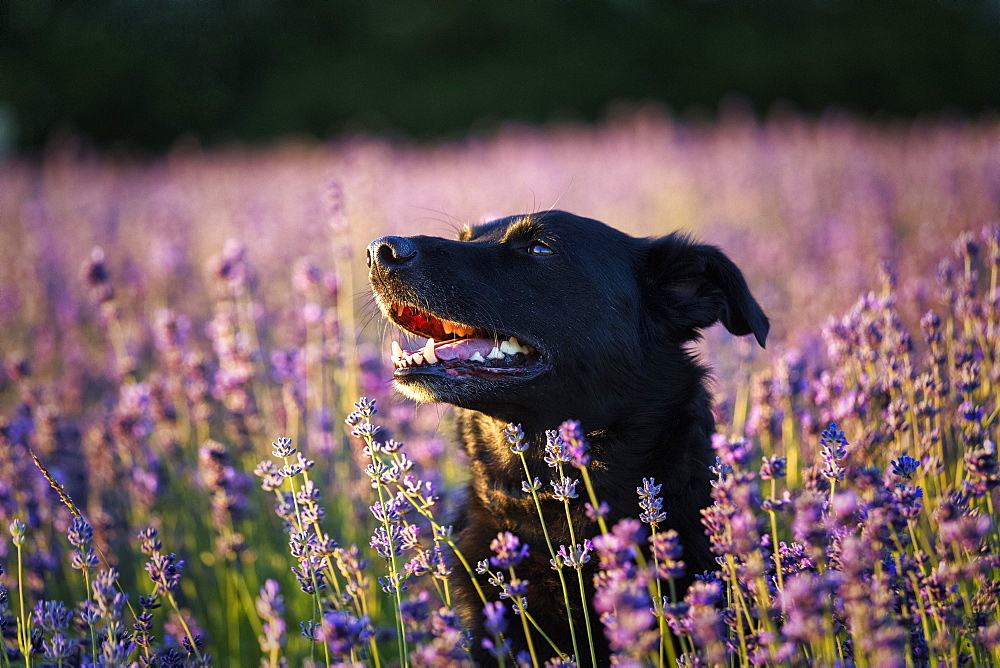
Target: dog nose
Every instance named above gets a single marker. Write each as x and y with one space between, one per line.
391 252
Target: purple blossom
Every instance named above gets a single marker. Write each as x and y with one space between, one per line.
495 618
165 572
556 452
833 451
270 607
732 453
905 466
574 556
343 632
651 504
508 550
51 615
600 511
576 444
564 489
772 467
618 547
515 438
704 621
667 550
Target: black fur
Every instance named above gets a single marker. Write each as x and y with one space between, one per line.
611 316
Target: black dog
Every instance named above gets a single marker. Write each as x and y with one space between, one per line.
541 318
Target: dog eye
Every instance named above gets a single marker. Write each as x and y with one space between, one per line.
538 248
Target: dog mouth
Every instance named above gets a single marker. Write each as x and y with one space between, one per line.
458 349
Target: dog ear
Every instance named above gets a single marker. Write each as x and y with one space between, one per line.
699 286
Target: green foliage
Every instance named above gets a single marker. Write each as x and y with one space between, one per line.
144 74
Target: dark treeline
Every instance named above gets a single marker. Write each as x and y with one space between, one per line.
142 73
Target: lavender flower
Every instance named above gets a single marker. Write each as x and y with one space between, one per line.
773 467
576 444
574 556
515 438
905 466
704 620
833 452
165 572
667 550
564 489
343 633
51 615
651 504
283 447
496 625
508 550
620 593
556 452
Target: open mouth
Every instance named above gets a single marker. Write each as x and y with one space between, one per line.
458 349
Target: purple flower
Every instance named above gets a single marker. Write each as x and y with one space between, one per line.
283 447
905 466
593 513
388 542
271 606
515 438
343 632
495 620
667 550
908 500
808 525
807 603
705 621
734 453
574 556
59 648
80 533
556 452
651 505
833 452
772 467
52 615
572 435
983 467
508 550
165 572
564 489
618 547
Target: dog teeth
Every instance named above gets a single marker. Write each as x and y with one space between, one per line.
495 354
402 358
428 352
512 347
476 357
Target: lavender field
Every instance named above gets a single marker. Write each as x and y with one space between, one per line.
189 476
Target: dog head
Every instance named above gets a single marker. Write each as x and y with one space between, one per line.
545 316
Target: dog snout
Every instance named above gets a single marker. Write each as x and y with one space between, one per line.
390 252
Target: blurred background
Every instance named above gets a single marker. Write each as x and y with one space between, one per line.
142 75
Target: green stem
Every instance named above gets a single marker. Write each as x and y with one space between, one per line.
552 553
579 573
401 641
24 624
524 624
93 636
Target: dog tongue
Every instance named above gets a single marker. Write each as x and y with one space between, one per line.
463 348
